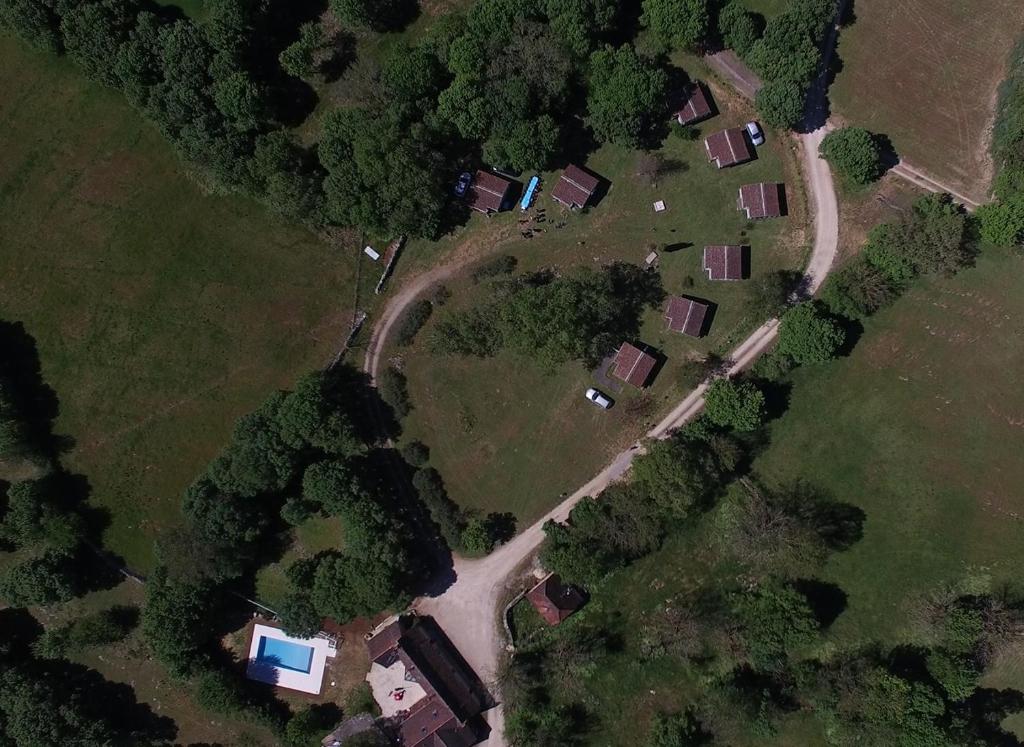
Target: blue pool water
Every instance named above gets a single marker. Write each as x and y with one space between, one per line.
285 654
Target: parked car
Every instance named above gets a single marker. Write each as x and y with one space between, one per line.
599 399
756 133
464 180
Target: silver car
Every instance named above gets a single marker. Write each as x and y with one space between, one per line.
599 399
756 133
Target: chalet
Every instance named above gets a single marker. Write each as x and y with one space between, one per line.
695 105
488 192
728 148
575 187
553 600
724 262
762 200
633 365
423 686
686 315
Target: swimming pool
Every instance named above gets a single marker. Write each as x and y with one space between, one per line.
285 654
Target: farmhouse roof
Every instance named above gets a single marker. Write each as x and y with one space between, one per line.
723 262
633 365
762 200
487 192
686 315
728 147
695 104
575 187
453 696
554 600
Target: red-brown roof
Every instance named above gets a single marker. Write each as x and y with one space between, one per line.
686 315
487 192
554 600
762 200
724 262
575 187
728 147
695 106
633 365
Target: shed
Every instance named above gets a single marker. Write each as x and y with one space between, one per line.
762 200
686 315
696 106
487 193
724 262
553 600
728 147
575 187
633 365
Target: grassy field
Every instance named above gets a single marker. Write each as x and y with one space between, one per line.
161 313
509 436
921 427
926 74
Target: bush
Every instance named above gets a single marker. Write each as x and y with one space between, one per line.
688 133
297 511
735 404
394 391
412 321
416 453
97 629
476 538
854 153
808 335
1002 223
218 692
504 265
443 510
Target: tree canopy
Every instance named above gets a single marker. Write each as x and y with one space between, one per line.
626 95
854 153
735 404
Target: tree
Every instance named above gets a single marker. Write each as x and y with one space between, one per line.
1002 223
449 518
312 416
581 23
771 293
774 620
626 95
96 629
476 539
35 22
175 621
376 15
677 474
807 334
858 289
781 103
735 404
93 32
301 58
854 153
45 579
299 616
932 239
412 321
394 390
416 453
676 730
739 27
678 23
35 517
346 587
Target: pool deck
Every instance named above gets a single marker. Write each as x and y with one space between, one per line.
311 682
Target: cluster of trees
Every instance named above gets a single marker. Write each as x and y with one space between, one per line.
582 316
933 238
1002 221
855 153
787 58
301 454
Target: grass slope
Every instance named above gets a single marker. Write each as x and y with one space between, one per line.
161 313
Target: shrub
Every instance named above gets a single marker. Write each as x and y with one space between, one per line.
504 265
218 692
1002 223
443 510
412 321
476 538
808 335
297 511
735 404
854 153
394 391
97 629
685 132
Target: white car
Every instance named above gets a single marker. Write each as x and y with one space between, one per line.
755 132
598 399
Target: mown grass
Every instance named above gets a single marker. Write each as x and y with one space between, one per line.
919 427
510 436
161 313
927 75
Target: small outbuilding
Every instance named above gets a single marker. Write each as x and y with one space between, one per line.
728 148
696 105
724 262
488 192
764 200
575 187
686 315
633 365
553 600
